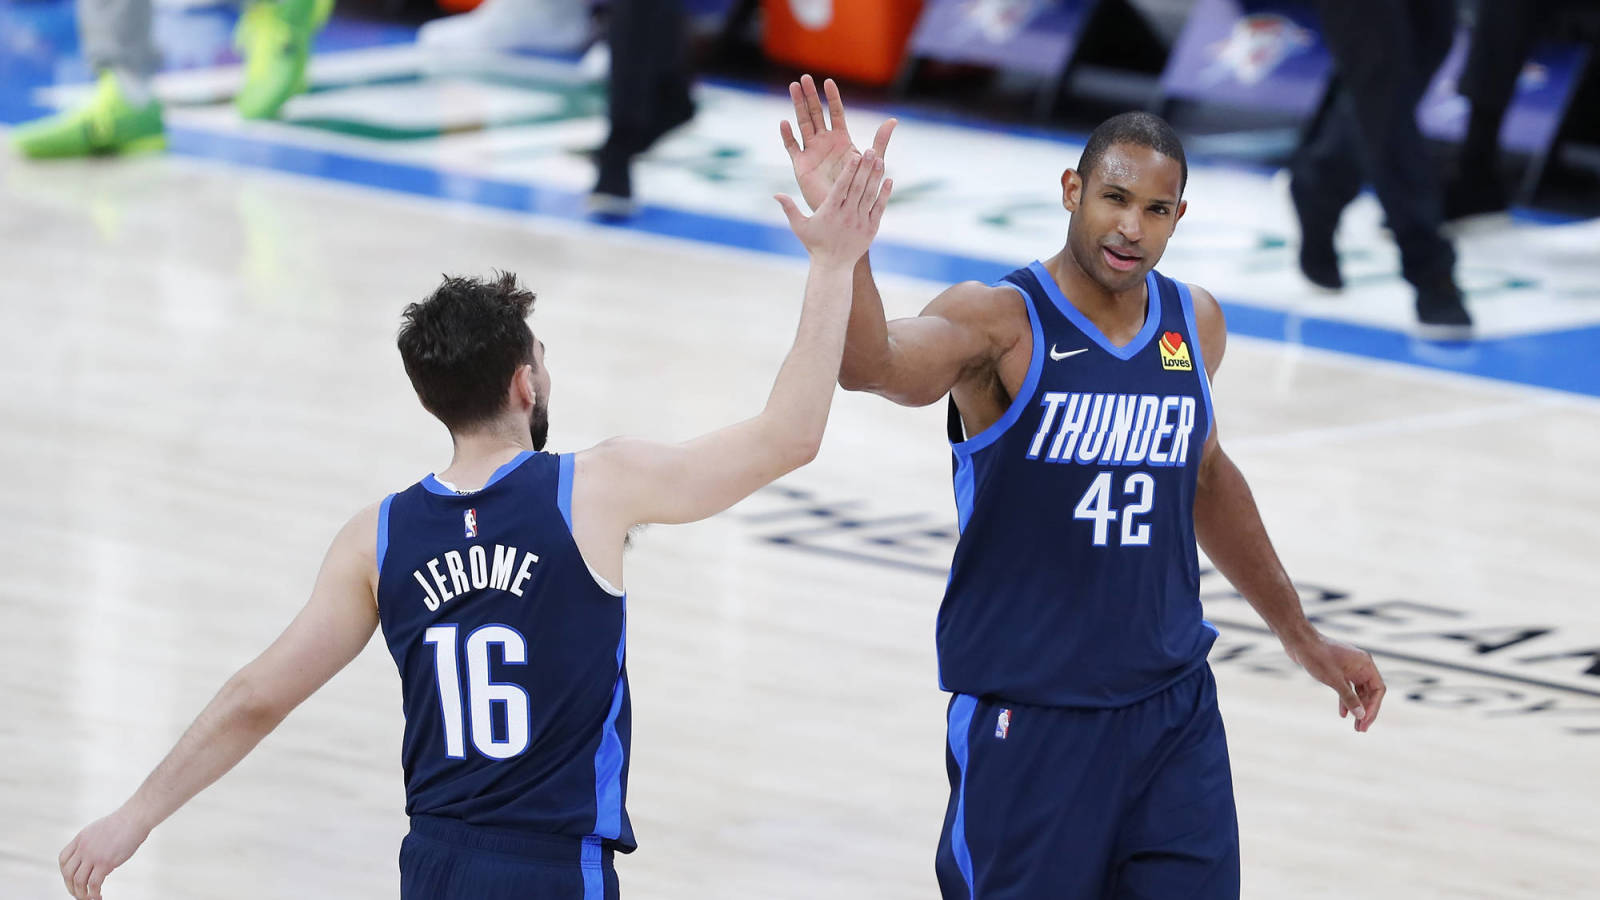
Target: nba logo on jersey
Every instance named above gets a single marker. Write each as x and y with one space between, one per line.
1002 724
470 519
1175 353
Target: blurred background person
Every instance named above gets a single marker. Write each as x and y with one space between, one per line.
1385 53
649 93
122 115
550 25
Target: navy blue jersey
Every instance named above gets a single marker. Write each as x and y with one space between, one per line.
1075 581
510 654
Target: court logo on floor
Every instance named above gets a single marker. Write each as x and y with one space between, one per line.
1175 353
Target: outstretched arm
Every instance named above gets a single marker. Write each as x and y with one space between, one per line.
335 624
624 482
1228 526
912 361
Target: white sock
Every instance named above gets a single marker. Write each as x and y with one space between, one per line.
136 89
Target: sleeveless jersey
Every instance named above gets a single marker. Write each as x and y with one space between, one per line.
1075 581
510 654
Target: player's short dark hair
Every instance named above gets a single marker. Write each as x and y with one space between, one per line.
462 345
1141 129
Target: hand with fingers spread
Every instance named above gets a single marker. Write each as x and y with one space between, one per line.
1349 670
847 218
824 146
99 848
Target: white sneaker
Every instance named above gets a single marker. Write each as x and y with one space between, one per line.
553 25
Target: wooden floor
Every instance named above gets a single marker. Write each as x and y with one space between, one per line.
198 384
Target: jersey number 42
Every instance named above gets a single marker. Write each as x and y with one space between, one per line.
1096 507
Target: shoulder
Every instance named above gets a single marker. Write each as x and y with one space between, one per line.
363 525
1211 325
997 312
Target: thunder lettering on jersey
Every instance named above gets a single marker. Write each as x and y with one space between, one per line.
511 656
1076 580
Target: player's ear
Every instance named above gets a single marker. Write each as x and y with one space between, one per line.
523 392
1183 207
1071 190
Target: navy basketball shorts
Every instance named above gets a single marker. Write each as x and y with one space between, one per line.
446 859
1050 803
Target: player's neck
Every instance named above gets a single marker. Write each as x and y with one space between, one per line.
478 454
1113 312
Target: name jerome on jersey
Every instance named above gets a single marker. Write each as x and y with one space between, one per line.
475 572
1114 429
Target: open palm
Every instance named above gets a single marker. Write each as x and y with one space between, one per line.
824 146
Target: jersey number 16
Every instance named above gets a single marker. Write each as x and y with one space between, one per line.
482 694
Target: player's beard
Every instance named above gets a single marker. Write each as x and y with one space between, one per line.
539 424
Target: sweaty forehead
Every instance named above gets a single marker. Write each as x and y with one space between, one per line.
1141 169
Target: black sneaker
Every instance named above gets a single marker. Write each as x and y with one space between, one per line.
612 197
1441 315
1319 261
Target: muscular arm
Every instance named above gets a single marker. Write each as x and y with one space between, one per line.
912 361
965 331
1228 526
329 631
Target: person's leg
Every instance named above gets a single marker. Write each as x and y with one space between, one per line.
1325 176
1501 41
649 90
122 115
117 37
274 37
1180 835
1034 795
1386 54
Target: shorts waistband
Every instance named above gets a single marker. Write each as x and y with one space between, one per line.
554 848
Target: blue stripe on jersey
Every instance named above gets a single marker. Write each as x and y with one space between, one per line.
383 530
965 485
1151 320
1024 397
594 877
608 757
435 486
564 489
1199 363
960 727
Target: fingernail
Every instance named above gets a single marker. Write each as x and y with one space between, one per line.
1360 713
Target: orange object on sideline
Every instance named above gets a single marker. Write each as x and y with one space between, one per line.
862 40
459 6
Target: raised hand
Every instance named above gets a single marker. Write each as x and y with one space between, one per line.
1349 670
824 146
847 218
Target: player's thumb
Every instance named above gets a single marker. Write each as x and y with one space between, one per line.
796 218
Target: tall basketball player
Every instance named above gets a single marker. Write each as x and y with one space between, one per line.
1086 754
498 586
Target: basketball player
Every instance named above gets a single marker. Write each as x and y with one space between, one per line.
498 586
1086 754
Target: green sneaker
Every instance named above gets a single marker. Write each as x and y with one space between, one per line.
105 124
274 37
